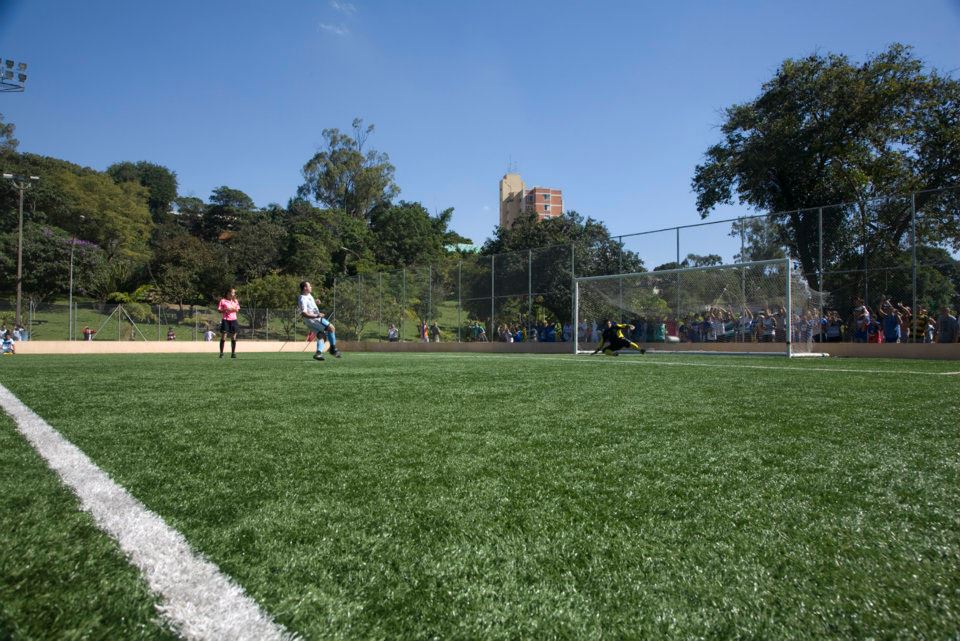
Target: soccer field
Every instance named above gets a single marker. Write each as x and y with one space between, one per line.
455 496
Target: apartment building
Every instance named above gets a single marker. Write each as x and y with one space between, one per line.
515 199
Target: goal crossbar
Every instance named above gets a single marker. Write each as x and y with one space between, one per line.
750 308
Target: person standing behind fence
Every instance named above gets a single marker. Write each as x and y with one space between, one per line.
947 326
891 320
228 308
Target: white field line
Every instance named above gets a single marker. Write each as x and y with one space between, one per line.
655 361
199 601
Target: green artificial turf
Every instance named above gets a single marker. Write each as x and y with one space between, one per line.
499 497
60 577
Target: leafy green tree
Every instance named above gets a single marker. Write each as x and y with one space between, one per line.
116 215
46 257
255 248
274 292
190 211
309 241
595 253
343 176
228 209
8 143
179 263
826 130
406 234
160 183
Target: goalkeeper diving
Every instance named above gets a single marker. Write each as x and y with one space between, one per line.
612 339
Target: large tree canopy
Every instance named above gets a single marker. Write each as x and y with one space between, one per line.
7 142
344 176
825 130
160 183
407 234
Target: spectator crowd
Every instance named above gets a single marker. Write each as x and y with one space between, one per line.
887 322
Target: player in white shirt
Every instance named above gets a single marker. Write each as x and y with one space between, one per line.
314 319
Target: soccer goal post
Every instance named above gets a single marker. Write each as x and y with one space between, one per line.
761 307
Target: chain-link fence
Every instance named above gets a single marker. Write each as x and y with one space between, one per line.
143 322
896 256
470 298
895 253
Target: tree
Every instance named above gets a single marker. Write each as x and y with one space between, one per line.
595 253
255 247
343 176
406 234
692 260
46 253
309 241
8 144
116 215
160 183
228 210
190 211
179 264
825 130
275 292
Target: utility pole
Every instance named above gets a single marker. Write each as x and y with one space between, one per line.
22 184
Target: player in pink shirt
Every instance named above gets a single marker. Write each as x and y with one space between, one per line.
228 307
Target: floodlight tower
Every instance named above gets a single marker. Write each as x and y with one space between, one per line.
22 184
12 79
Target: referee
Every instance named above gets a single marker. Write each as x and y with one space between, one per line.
228 307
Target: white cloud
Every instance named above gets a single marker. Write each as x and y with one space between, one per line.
335 29
343 7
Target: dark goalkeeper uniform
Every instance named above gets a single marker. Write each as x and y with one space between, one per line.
613 339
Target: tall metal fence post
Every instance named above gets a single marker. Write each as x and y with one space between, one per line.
430 293
459 297
361 321
866 264
267 313
913 261
493 267
403 299
334 313
574 300
820 286
743 273
676 313
529 284
158 323
620 280
379 306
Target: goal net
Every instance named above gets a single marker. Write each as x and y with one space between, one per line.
763 307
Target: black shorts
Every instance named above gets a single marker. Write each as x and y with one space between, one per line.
620 343
228 327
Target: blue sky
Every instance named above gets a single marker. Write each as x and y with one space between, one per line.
615 103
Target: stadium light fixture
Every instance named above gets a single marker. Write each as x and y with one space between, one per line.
22 184
10 81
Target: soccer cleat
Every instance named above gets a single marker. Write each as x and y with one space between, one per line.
642 351
318 357
221 354
335 352
234 355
